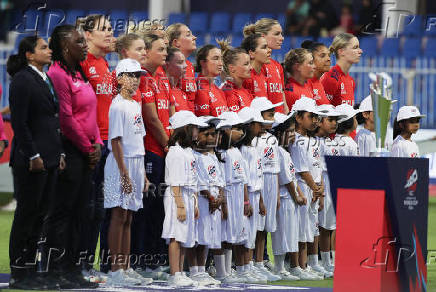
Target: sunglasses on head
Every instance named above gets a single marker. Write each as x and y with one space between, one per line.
133 74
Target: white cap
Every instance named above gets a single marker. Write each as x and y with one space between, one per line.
183 118
366 105
328 110
280 118
407 112
127 66
305 104
210 120
263 104
230 119
250 113
346 111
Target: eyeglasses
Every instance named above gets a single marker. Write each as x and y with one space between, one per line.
133 74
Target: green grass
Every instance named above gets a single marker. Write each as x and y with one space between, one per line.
6 221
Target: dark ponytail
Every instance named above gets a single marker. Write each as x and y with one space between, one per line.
398 128
19 61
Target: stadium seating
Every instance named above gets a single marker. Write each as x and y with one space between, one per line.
239 21
198 22
220 22
369 46
413 25
390 47
430 49
176 18
72 15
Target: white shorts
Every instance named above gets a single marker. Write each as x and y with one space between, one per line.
285 238
113 196
183 232
236 225
307 227
253 220
270 191
327 216
208 225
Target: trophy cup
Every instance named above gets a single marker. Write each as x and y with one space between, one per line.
381 96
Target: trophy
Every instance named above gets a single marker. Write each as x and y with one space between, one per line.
381 96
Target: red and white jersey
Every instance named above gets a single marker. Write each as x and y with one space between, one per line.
338 87
155 90
237 98
209 99
294 91
257 84
102 81
188 85
318 91
275 83
178 99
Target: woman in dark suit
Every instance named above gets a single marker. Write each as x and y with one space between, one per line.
36 157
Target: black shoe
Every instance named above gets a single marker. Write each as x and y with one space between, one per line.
34 283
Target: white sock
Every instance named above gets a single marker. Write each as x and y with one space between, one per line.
228 255
279 262
325 257
193 270
220 265
313 260
247 268
201 269
240 269
333 256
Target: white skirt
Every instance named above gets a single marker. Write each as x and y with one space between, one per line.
327 216
306 227
236 226
208 225
183 232
253 220
270 191
113 196
285 238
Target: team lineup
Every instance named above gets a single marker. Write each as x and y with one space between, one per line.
194 163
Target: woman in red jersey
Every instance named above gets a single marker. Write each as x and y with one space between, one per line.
257 48
175 68
180 36
338 84
299 65
272 31
209 100
321 59
99 36
237 68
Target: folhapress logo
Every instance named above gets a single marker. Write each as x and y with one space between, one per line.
411 183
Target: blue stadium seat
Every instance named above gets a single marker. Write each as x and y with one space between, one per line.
390 47
239 21
200 40
176 18
413 25
31 21
264 15
198 22
220 22
412 47
327 41
430 48
369 46
52 18
138 16
281 18
119 21
72 15
299 40
237 40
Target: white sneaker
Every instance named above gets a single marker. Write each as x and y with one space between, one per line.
285 275
267 264
320 270
119 279
211 279
270 276
162 269
260 279
258 274
329 268
302 274
317 275
201 279
131 273
149 273
178 280
231 279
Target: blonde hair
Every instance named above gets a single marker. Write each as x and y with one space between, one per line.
173 32
339 42
230 54
262 26
295 56
124 42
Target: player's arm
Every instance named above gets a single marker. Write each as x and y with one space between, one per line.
248 210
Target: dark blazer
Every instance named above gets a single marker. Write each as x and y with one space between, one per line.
34 119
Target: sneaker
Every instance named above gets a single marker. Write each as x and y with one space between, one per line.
203 279
259 274
178 280
119 279
94 276
247 277
157 276
285 275
231 279
317 275
162 269
211 279
329 268
267 264
320 270
131 273
302 274
270 276
260 279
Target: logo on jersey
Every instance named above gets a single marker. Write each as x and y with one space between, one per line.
212 97
237 167
259 164
162 104
268 153
92 70
335 152
315 94
411 183
193 169
343 91
413 154
211 170
276 88
291 168
138 120
103 88
315 152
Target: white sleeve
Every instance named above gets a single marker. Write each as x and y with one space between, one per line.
176 165
396 151
116 121
285 175
202 172
353 148
299 155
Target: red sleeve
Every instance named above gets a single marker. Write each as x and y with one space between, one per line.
146 88
248 84
232 100
331 88
291 98
202 106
